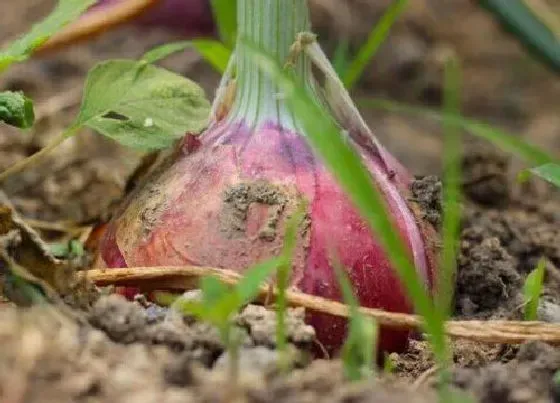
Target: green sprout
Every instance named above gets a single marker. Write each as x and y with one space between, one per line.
532 291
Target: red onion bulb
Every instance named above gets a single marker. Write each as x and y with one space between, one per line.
225 199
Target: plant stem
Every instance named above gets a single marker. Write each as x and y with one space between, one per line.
33 159
271 25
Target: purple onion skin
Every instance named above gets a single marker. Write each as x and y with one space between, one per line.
184 217
191 18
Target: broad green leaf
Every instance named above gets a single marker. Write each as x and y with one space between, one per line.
506 141
65 12
213 52
549 172
225 14
341 159
141 105
376 38
16 109
532 290
530 28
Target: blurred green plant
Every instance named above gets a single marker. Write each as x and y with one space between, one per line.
67 250
532 290
451 187
549 172
220 303
136 104
503 140
225 15
16 109
214 52
359 352
65 12
533 24
282 281
355 68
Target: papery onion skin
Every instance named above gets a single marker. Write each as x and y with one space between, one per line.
193 213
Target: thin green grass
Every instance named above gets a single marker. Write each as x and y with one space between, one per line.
539 33
502 139
376 38
214 52
445 277
359 352
283 278
225 15
549 172
341 57
532 291
451 189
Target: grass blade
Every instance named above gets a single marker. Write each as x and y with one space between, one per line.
376 38
340 58
359 350
506 141
549 172
65 12
283 277
532 290
225 14
451 189
214 52
535 33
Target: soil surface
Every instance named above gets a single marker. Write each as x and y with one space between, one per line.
102 348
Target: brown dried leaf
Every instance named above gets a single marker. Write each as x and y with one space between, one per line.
24 247
25 255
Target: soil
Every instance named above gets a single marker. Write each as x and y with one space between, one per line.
237 201
113 350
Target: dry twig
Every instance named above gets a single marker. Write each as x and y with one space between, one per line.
187 277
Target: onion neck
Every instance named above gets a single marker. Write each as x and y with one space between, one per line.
272 25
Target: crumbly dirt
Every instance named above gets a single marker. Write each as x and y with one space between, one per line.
143 322
136 351
418 361
527 378
46 357
427 193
